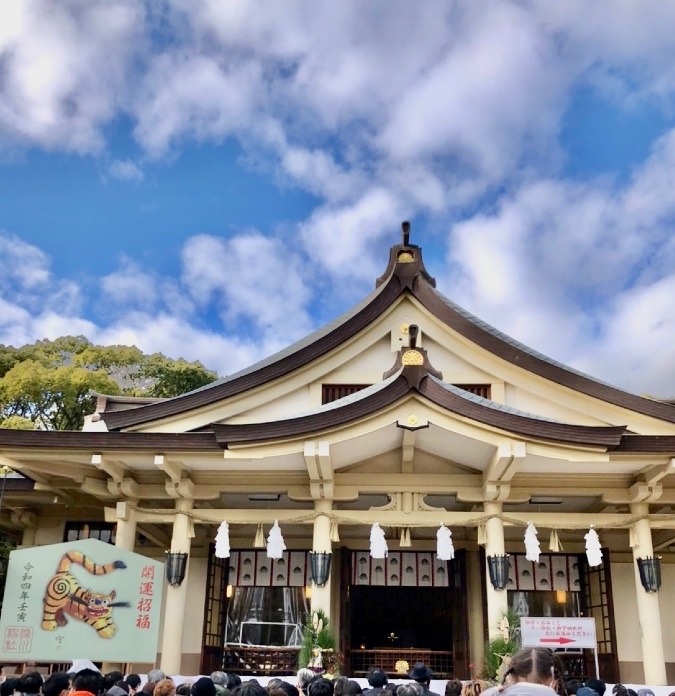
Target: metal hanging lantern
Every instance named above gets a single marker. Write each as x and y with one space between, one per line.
650 573
319 567
176 564
498 567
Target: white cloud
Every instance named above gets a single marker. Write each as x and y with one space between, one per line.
125 170
130 286
250 277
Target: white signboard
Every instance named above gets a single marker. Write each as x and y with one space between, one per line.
557 632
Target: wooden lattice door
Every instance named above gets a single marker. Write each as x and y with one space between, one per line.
596 601
215 613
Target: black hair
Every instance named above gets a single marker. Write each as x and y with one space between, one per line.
184 689
453 687
352 688
288 688
249 688
110 678
320 687
537 665
233 681
133 680
377 677
9 686
572 685
30 683
56 683
88 680
597 685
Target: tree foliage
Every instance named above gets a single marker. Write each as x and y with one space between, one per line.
50 384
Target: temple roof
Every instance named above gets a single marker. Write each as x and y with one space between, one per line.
405 274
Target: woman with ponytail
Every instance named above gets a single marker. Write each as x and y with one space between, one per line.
532 672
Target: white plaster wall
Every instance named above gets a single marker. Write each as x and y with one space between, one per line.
626 613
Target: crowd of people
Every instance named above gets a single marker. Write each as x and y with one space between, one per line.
531 672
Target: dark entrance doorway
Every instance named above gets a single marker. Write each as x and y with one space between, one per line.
402 617
393 627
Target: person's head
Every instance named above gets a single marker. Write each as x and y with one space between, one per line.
339 685
410 689
421 673
597 685
233 681
164 687
320 687
390 688
572 686
352 688
203 687
287 688
88 680
303 677
9 686
618 688
155 675
377 677
250 687
453 687
219 678
30 683
134 682
56 684
110 678
184 689
535 665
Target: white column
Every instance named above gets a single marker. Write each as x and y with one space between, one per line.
125 538
497 602
176 597
125 532
321 542
649 614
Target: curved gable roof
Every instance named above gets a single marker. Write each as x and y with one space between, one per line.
405 274
417 379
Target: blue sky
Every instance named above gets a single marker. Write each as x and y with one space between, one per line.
214 180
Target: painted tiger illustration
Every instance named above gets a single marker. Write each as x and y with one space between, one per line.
65 596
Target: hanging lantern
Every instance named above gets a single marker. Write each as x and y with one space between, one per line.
259 541
445 549
275 542
532 547
378 544
593 550
223 541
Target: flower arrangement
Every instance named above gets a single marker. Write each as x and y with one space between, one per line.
500 650
318 651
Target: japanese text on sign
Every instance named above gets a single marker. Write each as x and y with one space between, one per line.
557 632
146 591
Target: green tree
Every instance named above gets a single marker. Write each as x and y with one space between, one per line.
50 384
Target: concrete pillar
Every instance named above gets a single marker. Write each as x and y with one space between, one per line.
176 597
497 602
125 533
649 614
321 542
475 608
125 538
28 537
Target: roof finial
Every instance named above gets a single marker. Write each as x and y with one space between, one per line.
405 226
